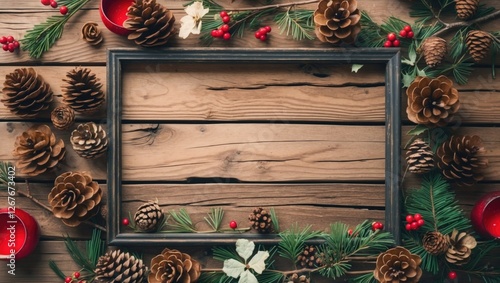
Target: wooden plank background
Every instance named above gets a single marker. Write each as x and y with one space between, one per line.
210 106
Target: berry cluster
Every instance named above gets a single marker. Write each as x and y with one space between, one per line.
223 30
63 9
392 39
407 32
74 278
261 34
9 43
414 222
377 226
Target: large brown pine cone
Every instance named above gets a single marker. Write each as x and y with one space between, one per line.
432 101
120 267
62 117
419 157
461 245
25 93
151 23
149 217
337 21
75 197
172 266
89 140
38 150
82 91
261 220
461 159
435 243
398 265
478 43
466 8
434 49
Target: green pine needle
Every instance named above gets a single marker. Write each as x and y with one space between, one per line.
79 257
223 253
294 240
457 43
56 269
215 217
95 247
182 222
215 277
275 220
296 23
43 36
4 174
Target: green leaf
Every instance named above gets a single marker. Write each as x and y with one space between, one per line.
417 130
297 23
355 67
408 78
412 57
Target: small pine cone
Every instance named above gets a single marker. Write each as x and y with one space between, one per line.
434 49
295 278
91 33
172 266
89 140
82 91
151 23
398 265
461 159
309 258
337 21
38 150
435 243
75 198
120 267
149 217
478 43
25 93
461 245
62 117
419 157
466 8
261 220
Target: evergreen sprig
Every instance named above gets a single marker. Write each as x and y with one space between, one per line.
181 221
214 218
293 241
43 36
4 174
296 23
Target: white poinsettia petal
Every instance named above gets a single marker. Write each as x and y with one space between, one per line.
258 262
187 25
247 277
244 248
193 9
196 29
233 268
203 12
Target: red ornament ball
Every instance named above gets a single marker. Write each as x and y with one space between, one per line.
452 275
391 36
125 221
268 28
263 37
63 10
257 34
420 222
233 225
408 227
5 47
10 39
53 4
68 280
16 44
3 40
414 225
409 218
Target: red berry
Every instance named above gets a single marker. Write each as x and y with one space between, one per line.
263 37
349 232
263 30
226 19
403 33
233 225
417 216
223 14
396 43
408 227
391 36
45 2
53 4
125 221
257 34
414 225
10 39
388 43
5 47
407 28
68 280
377 226
268 28
420 222
16 44
76 274
410 34
452 275
224 28
63 10
12 47
226 36
214 33
3 40
409 218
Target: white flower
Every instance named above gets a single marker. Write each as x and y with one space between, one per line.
191 23
237 269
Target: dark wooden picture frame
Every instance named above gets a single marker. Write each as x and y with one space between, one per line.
117 57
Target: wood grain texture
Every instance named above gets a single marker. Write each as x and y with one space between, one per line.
253 152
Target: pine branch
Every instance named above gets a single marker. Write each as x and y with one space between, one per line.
214 218
455 25
297 23
294 240
182 222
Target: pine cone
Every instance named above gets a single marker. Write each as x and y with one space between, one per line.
82 91
434 49
172 266
75 197
25 93
432 101
151 23
62 117
461 159
37 150
89 140
149 217
337 21
466 8
461 245
478 43
295 278
419 157
435 243
261 220
308 258
398 265
91 33
118 267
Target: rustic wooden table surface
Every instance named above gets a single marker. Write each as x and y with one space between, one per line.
359 105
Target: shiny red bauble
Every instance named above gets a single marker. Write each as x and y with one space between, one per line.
19 232
485 215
